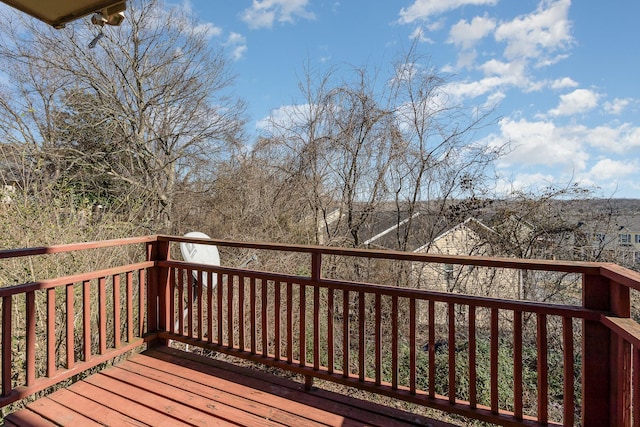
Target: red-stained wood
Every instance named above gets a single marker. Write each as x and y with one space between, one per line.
568 417
230 334
176 388
289 322
361 336
330 329
635 384
94 410
58 414
102 315
129 290
345 334
596 358
7 310
517 365
302 334
190 286
277 338
451 348
117 332
241 319
51 332
86 320
69 326
220 306
316 327
378 338
473 376
543 369
180 289
394 342
494 361
412 346
264 317
210 307
199 290
252 315
141 301
432 350
31 336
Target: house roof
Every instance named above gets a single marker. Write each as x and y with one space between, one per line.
58 12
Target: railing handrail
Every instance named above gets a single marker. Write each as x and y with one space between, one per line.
72 247
583 267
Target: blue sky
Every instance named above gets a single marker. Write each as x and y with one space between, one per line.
565 74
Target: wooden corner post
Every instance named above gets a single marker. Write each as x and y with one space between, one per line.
158 291
605 362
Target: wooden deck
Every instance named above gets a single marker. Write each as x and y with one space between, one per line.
167 387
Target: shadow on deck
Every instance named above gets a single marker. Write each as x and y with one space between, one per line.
168 387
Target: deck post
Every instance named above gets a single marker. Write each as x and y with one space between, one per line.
603 356
158 293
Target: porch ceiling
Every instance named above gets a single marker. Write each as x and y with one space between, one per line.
59 12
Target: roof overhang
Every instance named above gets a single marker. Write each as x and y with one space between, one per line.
58 12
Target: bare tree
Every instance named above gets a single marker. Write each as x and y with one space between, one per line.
153 93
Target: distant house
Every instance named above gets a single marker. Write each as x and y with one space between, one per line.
474 238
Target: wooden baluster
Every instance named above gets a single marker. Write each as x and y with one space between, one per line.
494 361
86 319
432 350
316 327
345 334
330 326
517 365
7 347
378 337
252 304
129 306
394 342
241 322
412 346
276 319
289 322
543 369
361 335
51 332
116 311
473 377
451 346
569 395
31 337
264 332
199 290
303 324
70 333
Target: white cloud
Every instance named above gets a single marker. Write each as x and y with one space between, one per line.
620 139
617 106
418 34
465 35
263 13
424 9
563 83
524 182
578 101
608 169
532 35
540 143
238 44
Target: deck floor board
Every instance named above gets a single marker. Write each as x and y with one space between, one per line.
168 387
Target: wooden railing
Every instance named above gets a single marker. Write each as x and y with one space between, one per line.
54 329
494 359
